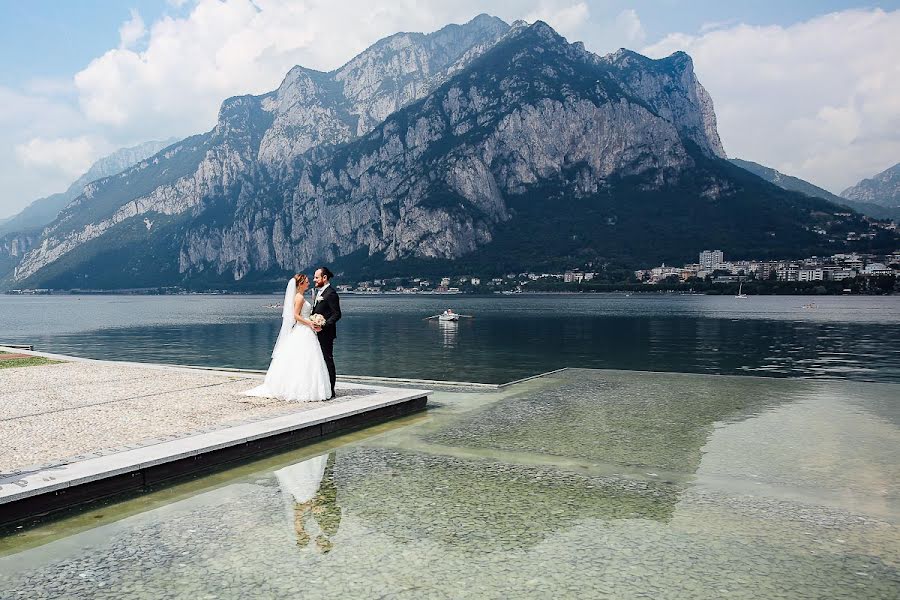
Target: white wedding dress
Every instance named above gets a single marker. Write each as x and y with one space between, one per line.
297 372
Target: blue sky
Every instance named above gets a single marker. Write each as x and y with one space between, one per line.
803 86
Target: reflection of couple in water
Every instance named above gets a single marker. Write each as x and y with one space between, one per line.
312 496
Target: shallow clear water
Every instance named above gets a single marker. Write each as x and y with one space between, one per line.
582 484
508 338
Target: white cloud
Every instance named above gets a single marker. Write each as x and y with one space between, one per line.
566 17
26 116
72 156
187 65
712 25
628 23
190 64
819 99
132 30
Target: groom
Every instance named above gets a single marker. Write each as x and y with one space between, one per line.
327 304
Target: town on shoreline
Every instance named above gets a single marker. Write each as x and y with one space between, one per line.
851 273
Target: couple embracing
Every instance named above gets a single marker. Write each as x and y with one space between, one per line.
302 367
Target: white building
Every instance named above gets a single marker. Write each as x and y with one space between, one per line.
788 272
877 269
711 259
842 274
810 274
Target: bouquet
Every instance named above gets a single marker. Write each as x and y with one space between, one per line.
317 320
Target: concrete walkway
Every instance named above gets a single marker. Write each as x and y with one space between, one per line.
81 421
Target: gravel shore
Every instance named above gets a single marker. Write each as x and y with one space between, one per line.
51 413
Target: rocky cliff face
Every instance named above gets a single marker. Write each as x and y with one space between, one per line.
882 189
419 148
671 88
261 136
431 181
16 245
311 108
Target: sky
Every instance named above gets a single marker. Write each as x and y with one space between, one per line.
811 88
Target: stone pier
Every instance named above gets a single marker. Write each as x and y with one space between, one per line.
79 430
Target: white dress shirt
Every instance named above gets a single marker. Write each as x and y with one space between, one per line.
319 293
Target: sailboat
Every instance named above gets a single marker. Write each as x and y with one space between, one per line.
740 293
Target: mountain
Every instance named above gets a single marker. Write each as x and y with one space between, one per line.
480 146
881 190
786 181
804 187
43 210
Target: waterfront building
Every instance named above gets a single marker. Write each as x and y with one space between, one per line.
788 272
810 274
876 270
842 274
711 259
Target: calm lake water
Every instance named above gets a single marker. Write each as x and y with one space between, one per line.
507 338
602 482
582 484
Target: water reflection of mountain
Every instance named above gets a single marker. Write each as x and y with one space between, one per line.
639 420
581 445
484 505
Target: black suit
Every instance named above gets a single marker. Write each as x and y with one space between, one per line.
330 308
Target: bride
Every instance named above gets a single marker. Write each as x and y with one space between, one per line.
297 371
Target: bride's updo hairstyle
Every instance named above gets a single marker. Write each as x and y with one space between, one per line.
300 279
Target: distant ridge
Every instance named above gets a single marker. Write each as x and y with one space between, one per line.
19 233
804 187
881 190
43 210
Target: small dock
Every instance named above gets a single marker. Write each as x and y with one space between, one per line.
81 430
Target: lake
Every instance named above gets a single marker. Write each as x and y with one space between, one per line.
606 481
582 484
508 337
